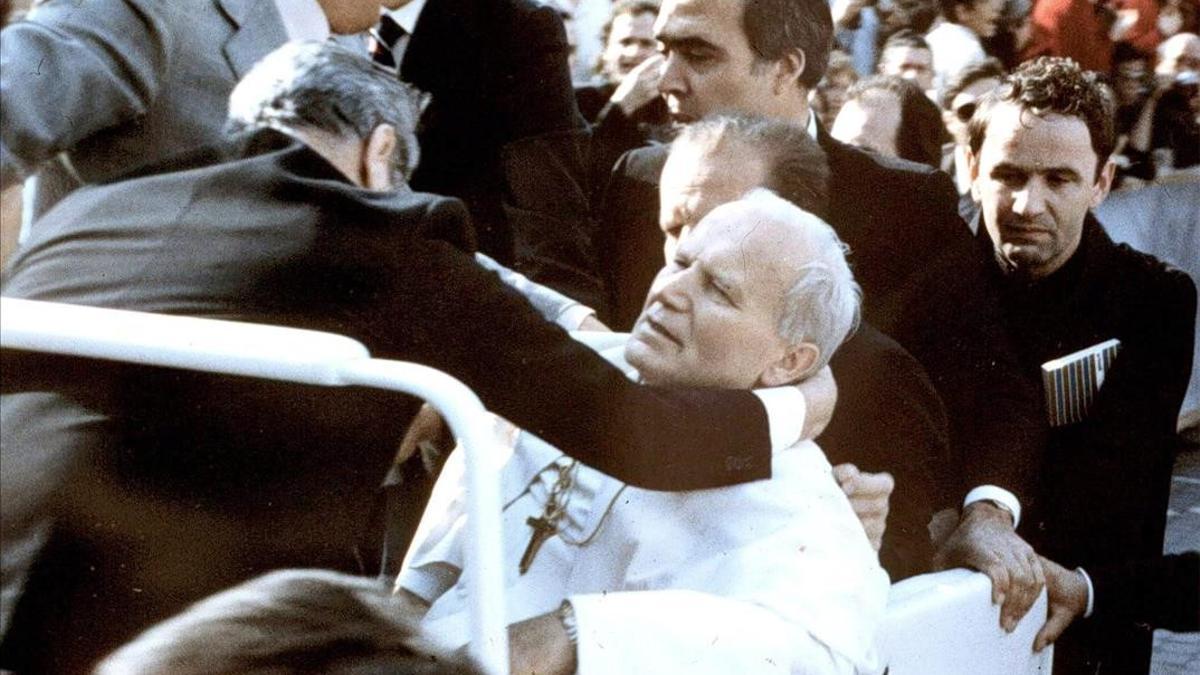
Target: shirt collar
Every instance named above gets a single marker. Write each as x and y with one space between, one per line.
303 19
812 124
407 15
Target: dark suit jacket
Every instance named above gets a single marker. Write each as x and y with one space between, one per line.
1105 481
889 418
922 281
1161 592
158 487
117 84
497 72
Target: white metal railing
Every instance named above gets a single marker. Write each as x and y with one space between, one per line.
936 624
303 356
945 624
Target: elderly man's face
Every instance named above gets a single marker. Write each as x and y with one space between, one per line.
712 315
709 66
696 179
1035 179
870 121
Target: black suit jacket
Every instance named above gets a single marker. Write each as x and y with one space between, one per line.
923 285
158 487
1105 482
889 418
1160 592
498 76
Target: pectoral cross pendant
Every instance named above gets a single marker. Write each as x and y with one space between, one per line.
543 529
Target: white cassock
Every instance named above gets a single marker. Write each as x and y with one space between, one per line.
774 576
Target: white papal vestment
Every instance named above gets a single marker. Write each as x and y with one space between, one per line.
774 576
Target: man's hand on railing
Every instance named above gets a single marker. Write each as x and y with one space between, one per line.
985 540
869 494
1068 592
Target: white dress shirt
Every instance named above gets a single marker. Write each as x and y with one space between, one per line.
770 576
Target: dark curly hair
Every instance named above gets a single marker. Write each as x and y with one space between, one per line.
1053 85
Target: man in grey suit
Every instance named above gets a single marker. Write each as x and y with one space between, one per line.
116 86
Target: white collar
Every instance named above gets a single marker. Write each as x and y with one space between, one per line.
303 19
812 124
407 15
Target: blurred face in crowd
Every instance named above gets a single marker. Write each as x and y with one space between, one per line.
1178 55
963 105
697 178
1131 81
710 67
910 63
630 42
831 93
870 121
981 16
712 316
1035 179
347 17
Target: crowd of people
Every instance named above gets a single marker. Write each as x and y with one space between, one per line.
770 309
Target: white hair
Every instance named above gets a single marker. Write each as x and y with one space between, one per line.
823 304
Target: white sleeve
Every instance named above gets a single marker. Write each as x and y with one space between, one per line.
999 495
770 576
682 631
552 305
434 560
786 410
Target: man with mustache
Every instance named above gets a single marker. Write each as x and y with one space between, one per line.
1039 157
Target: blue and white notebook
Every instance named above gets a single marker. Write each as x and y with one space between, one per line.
1071 381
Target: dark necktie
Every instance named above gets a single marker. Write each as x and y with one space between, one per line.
385 39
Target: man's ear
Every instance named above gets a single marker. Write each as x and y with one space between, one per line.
788 70
797 363
973 170
378 159
1103 182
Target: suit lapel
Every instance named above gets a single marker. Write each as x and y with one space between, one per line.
257 30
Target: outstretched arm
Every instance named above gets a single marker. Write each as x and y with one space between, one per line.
73 69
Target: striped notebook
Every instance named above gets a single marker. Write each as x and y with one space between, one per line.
1072 381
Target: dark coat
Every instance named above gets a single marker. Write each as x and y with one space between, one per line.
1105 481
158 487
497 74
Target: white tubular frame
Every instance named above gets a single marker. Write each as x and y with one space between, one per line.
303 356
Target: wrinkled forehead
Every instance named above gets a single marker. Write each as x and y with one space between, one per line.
747 241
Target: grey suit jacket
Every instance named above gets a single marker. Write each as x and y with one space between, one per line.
120 84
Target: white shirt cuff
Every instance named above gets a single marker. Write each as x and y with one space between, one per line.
570 318
786 410
1087 613
999 495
